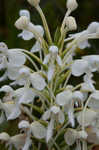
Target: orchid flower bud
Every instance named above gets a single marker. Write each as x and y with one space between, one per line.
22 22
71 23
53 49
71 5
34 3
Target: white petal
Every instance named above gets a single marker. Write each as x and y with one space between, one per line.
6 88
50 73
16 58
93 27
46 115
38 130
50 130
87 87
77 95
59 60
55 109
27 144
93 61
71 117
63 98
89 117
84 44
61 117
12 72
39 29
8 108
36 47
4 136
94 100
46 59
38 81
18 140
79 67
70 136
26 35
26 95
14 114
24 124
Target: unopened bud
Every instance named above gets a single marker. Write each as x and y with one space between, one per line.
34 3
71 5
22 22
53 49
71 23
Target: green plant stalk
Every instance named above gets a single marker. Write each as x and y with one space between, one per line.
45 24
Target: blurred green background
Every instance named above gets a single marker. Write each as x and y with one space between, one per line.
54 10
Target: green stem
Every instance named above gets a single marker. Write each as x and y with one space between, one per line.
36 58
45 24
35 108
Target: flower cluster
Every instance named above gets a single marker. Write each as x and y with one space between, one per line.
51 112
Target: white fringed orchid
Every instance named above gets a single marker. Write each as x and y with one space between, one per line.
51 59
27 35
35 128
12 108
19 141
54 113
67 99
26 78
11 60
72 135
82 37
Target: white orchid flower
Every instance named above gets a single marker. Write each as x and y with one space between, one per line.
35 128
15 58
54 113
25 77
19 141
27 35
94 100
67 100
82 37
88 85
12 108
72 135
89 117
93 61
50 59
22 76
38 82
11 60
86 65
